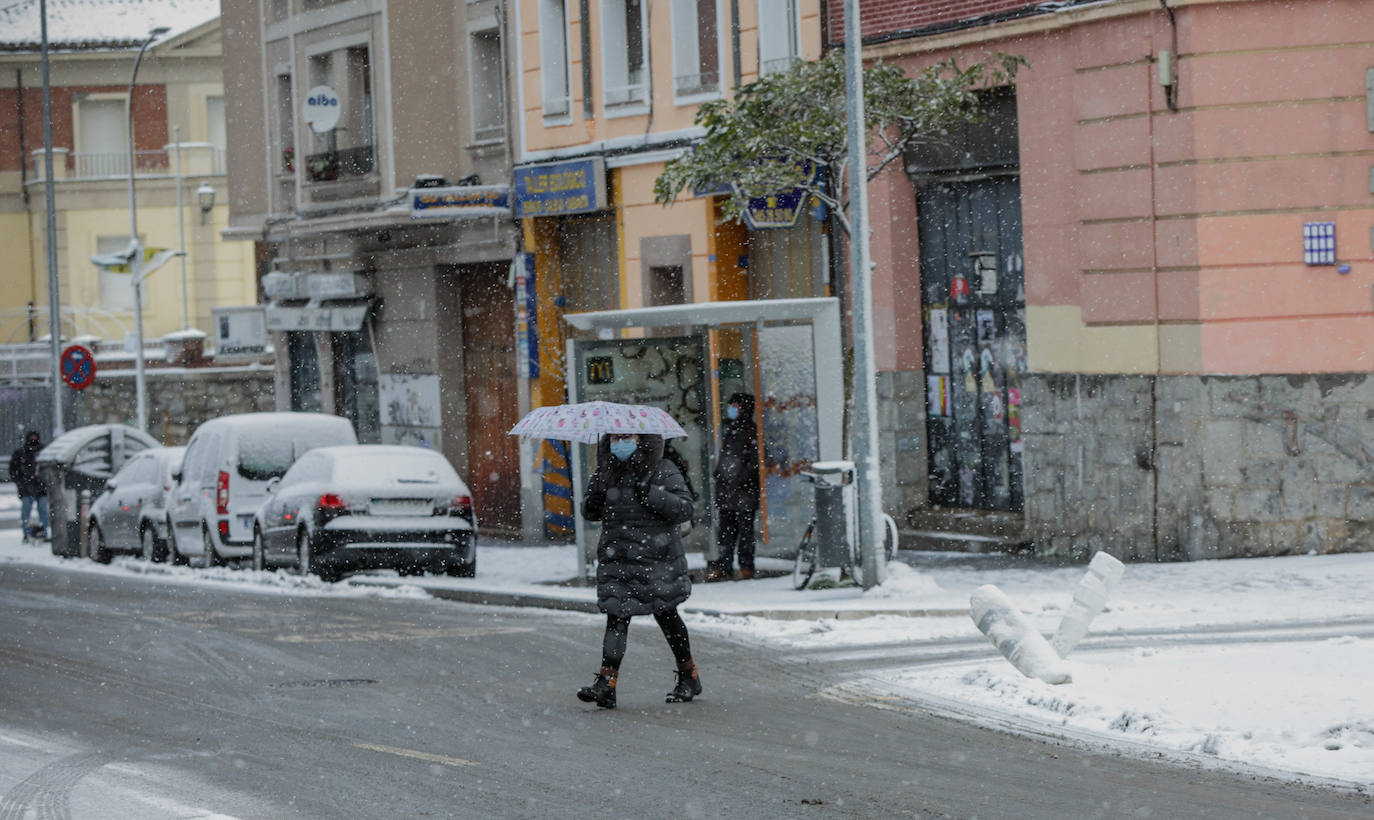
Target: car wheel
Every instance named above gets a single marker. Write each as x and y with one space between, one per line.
259 552
99 552
173 554
302 552
211 558
154 548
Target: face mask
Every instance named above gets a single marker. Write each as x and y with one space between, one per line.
623 448
732 412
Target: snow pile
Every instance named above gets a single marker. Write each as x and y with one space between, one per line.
904 582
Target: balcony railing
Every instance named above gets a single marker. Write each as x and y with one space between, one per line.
345 164
705 82
98 165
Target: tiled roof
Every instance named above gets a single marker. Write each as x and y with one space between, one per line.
98 24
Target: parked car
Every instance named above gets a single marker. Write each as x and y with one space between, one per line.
130 515
224 476
342 509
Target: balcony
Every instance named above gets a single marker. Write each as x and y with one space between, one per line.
328 166
197 159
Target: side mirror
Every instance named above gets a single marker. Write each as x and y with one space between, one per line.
176 477
111 484
272 484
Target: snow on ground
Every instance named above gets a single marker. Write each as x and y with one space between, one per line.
1281 684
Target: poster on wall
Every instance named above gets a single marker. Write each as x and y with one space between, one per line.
939 340
410 409
937 395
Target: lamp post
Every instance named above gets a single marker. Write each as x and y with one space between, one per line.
181 228
205 195
50 208
135 251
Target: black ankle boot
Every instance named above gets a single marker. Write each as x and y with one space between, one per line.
601 692
688 686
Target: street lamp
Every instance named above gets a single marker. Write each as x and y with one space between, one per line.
205 195
136 252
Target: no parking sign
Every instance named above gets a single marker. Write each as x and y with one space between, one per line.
78 367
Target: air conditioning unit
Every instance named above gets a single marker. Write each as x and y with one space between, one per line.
338 286
282 285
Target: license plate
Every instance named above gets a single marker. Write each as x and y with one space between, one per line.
401 506
246 523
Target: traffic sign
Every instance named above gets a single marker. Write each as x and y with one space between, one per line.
78 367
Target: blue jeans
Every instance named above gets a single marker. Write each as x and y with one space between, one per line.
26 505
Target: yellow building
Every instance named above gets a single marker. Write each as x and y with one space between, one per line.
608 92
179 142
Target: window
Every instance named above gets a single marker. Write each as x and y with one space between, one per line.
696 53
214 132
553 57
488 85
102 138
779 39
305 372
346 150
286 124
355 385
624 52
117 289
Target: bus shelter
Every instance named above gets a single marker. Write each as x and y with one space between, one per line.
689 359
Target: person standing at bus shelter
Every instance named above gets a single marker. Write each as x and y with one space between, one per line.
24 474
737 490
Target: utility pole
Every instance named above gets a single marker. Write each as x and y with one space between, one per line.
861 274
135 247
50 206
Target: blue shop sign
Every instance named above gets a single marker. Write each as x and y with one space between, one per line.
460 201
557 188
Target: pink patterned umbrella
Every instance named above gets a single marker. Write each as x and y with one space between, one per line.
589 421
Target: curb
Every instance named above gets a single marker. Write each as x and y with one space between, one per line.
520 599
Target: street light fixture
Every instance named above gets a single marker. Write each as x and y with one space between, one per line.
135 251
205 195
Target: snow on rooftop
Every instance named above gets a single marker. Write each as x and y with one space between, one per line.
75 24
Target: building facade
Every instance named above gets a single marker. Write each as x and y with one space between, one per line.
1132 312
371 176
179 140
608 93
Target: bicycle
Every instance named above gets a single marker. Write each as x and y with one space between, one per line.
806 563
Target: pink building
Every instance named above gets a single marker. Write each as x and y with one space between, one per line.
1146 313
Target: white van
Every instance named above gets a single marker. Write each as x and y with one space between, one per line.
224 476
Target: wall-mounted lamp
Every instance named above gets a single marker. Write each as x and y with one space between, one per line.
205 195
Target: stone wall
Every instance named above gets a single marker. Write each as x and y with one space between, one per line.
1193 467
179 399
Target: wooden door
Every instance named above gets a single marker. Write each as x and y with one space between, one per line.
488 310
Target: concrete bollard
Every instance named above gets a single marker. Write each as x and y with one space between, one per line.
1088 599
1015 637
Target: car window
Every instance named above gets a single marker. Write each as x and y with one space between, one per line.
195 454
134 471
210 461
270 450
311 467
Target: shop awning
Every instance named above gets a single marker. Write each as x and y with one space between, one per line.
328 314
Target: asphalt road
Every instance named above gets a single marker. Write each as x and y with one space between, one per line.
133 698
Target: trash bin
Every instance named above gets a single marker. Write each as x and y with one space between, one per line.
82 460
834 482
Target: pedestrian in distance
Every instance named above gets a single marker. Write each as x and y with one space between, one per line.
640 498
737 490
24 474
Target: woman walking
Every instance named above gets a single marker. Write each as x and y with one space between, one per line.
640 498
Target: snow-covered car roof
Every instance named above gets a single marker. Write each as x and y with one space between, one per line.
387 463
96 24
242 420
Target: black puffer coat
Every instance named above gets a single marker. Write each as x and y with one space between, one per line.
641 567
737 469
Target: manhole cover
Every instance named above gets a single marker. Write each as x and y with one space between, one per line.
323 683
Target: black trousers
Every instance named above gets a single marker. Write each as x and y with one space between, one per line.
618 634
736 533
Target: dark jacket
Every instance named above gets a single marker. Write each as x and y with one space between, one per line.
641 566
737 468
24 471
